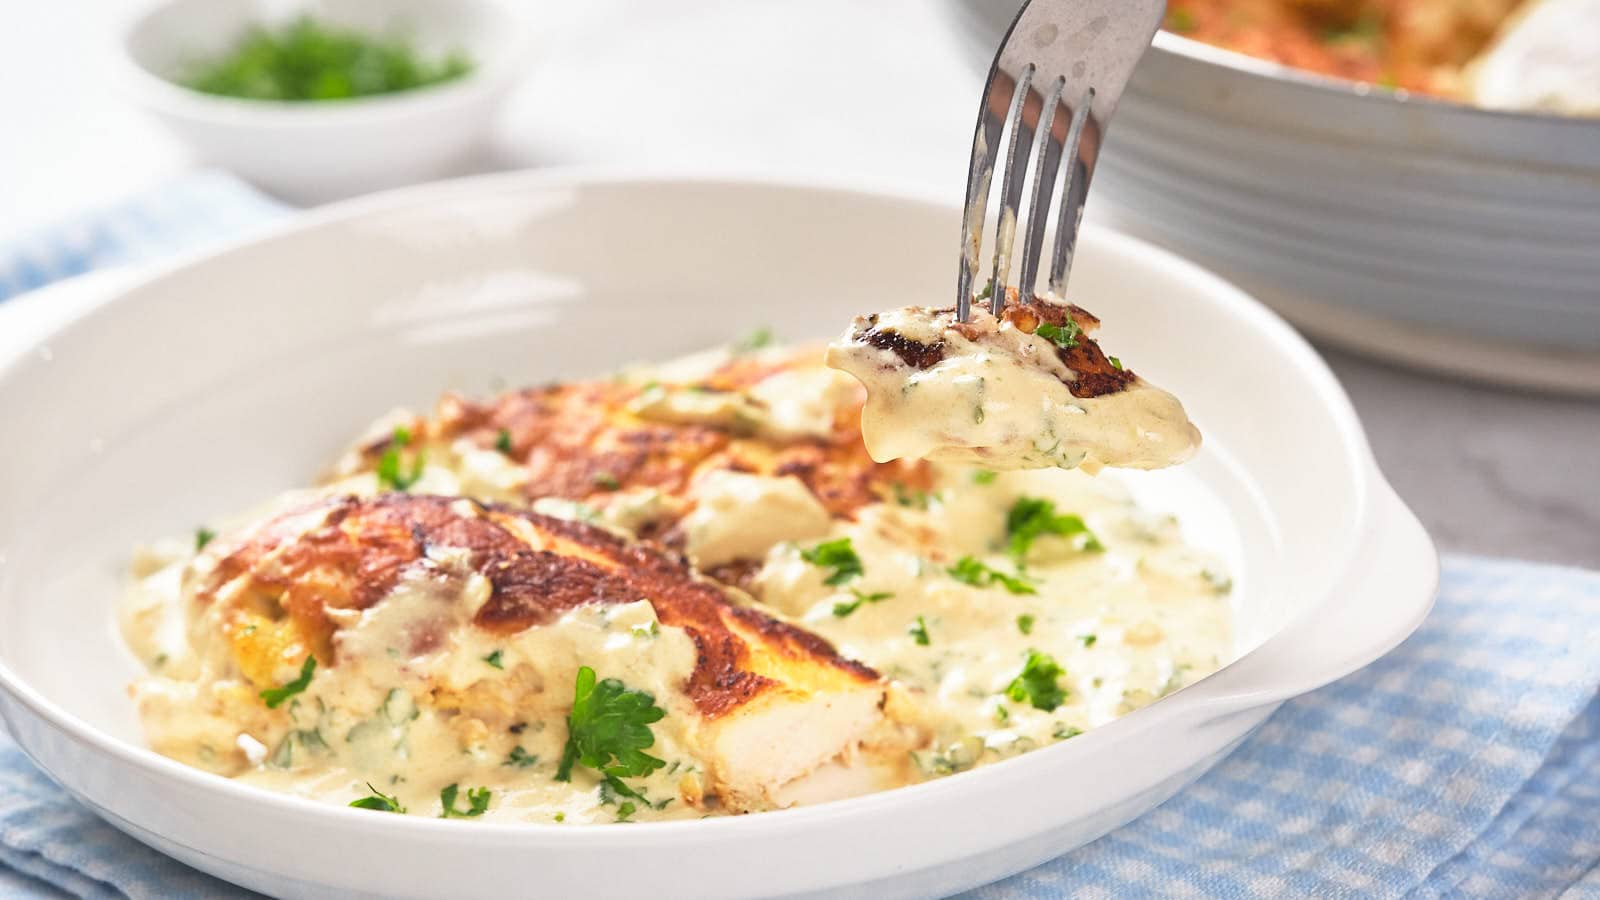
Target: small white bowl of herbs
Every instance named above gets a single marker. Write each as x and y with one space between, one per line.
319 100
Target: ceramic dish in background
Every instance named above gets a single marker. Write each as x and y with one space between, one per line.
312 151
1476 230
243 372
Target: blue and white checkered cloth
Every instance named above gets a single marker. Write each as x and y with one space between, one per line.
1464 763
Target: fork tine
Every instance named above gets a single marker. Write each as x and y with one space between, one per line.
1072 195
1011 186
985 144
1047 160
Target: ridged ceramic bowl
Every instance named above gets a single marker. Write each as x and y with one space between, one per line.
1322 197
228 378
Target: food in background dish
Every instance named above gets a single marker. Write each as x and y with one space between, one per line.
679 592
1515 54
310 60
1028 389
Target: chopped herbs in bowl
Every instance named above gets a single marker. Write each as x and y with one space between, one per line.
310 60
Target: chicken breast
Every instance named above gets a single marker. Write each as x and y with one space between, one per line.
410 593
1029 389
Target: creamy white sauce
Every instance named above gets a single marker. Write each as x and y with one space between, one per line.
1126 623
1546 58
1000 401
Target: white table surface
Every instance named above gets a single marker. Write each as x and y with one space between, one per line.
870 88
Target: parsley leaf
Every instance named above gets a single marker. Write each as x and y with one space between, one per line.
608 730
1025 623
984 476
1031 517
502 441
606 481
969 570
755 340
477 800
274 697
1115 363
837 555
521 758
918 631
379 801
202 537
1064 731
493 659
846 607
1065 336
1036 683
625 810
1088 640
390 476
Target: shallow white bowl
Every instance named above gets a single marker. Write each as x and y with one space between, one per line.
227 378
309 152
1320 196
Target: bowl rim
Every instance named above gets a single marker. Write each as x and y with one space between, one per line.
135 80
1376 499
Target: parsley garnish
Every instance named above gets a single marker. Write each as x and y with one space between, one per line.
918 631
1025 623
606 481
378 801
274 697
389 474
1065 336
625 809
984 476
1037 682
493 659
1031 517
608 730
202 537
502 441
521 758
837 555
916 499
755 340
1001 715
846 607
1115 363
969 570
1088 640
477 800
1063 731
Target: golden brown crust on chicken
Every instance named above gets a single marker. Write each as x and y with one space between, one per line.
349 553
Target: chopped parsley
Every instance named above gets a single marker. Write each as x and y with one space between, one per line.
1025 623
969 570
846 607
916 499
521 758
1064 731
378 801
1001 715
561 817
837 555
606 481
984 476
918 631
1031 517
502 441
1180 21
608 731
755 340
494 659
202 537
477 802
1065 336
1088 640
1115 363
274 697
1036 683
625 809
390 474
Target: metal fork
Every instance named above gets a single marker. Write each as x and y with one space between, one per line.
1058 74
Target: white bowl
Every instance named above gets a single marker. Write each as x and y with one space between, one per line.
320 150
227 378
1317 194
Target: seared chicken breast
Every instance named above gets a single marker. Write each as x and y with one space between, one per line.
406 593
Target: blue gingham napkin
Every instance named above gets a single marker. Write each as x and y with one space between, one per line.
1464 763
